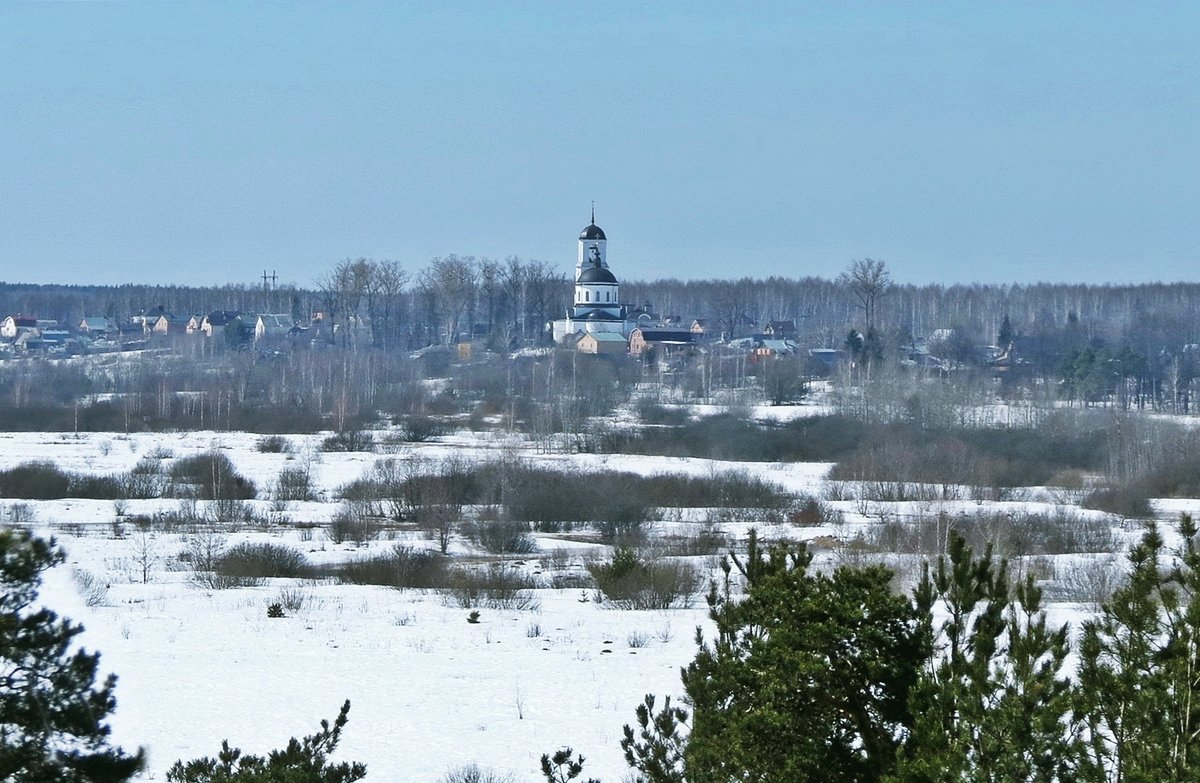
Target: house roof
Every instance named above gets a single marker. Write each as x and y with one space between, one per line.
221 317
606 337
279 320
652 335
96 323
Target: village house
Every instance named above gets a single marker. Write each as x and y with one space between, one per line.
603 343
669 341
781 330
215 322
169 324
770 349
15 325
270 325
97 327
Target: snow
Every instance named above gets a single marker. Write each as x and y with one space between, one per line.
429 691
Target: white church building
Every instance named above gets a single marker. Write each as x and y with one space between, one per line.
597 305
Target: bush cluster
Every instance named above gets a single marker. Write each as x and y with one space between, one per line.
727 437
989 457
1058 532
209 476
498 586
401 567
502 536
627 581
45 481
349 440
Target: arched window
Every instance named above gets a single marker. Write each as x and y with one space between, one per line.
587 296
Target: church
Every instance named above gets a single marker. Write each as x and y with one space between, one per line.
597 305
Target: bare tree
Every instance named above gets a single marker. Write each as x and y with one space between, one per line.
515 282
868 281
448 285
385 286
145 554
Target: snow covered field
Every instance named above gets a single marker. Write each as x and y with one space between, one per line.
429 690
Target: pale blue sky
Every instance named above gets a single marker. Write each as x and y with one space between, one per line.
964 142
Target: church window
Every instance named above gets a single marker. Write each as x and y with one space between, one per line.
587 296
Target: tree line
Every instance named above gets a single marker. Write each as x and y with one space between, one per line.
507 302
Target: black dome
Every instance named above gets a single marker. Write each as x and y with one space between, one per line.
596 274
593 232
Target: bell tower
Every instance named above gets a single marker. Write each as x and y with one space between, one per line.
591 246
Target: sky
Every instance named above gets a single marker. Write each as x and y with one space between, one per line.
201 143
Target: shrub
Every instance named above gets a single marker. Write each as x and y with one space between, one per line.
471 773
1127 500
704 539
496 587
814 513
988 457
624 525
1060 533
501 537
293 600
1020 535
815 439
418 428
261 560
35 481
209 476
1092 581
143 484
104 487
294 484
274 444
349 440
93 589
651 412
627 582
402 567
352 523
552 498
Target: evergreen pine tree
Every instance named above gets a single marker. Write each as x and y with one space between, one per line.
302 761
992 704
807 678
1139 670
1006 334
51 711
